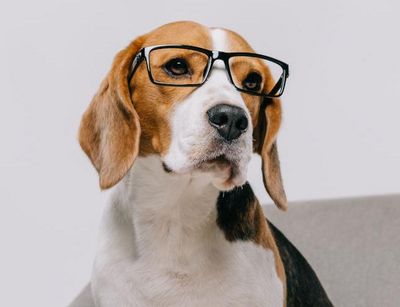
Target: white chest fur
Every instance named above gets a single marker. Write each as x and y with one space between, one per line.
160 246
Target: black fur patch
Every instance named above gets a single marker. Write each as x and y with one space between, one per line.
234 213
303 287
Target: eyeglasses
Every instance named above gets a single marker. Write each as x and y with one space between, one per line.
182 65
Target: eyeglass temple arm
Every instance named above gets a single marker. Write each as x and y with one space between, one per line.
135 64
276 87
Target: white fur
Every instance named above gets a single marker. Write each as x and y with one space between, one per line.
159 242
192 136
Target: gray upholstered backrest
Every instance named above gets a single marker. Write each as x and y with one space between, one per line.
353 245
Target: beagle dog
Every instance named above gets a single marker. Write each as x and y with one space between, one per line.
173 127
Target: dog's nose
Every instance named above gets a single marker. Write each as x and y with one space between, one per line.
230 121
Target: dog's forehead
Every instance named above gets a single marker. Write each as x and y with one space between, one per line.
195 34
183 33
229 41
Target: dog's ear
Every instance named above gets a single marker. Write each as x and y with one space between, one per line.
109 131
265 134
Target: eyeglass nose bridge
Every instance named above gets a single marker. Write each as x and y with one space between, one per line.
221 56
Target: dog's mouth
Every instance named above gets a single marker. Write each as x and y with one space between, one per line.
226 171
219 162
225 166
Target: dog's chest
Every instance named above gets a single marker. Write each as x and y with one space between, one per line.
243 274
172 252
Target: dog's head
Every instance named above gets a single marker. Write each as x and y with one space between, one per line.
212 128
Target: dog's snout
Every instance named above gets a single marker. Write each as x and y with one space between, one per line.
230 121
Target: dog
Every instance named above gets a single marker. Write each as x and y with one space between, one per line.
173 127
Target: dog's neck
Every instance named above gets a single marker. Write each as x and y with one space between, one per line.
169 212
169 237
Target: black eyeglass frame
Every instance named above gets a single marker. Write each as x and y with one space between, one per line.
212 55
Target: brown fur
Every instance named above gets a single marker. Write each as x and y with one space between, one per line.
154 103
120 117
110 129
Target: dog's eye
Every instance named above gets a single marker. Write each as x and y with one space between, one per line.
177 67
252 82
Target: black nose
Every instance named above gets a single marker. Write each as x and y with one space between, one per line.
230 121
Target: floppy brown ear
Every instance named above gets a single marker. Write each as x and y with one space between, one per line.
109 131
265 134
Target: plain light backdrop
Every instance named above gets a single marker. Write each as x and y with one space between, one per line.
340 135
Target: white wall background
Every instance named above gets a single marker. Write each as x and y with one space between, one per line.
340 135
